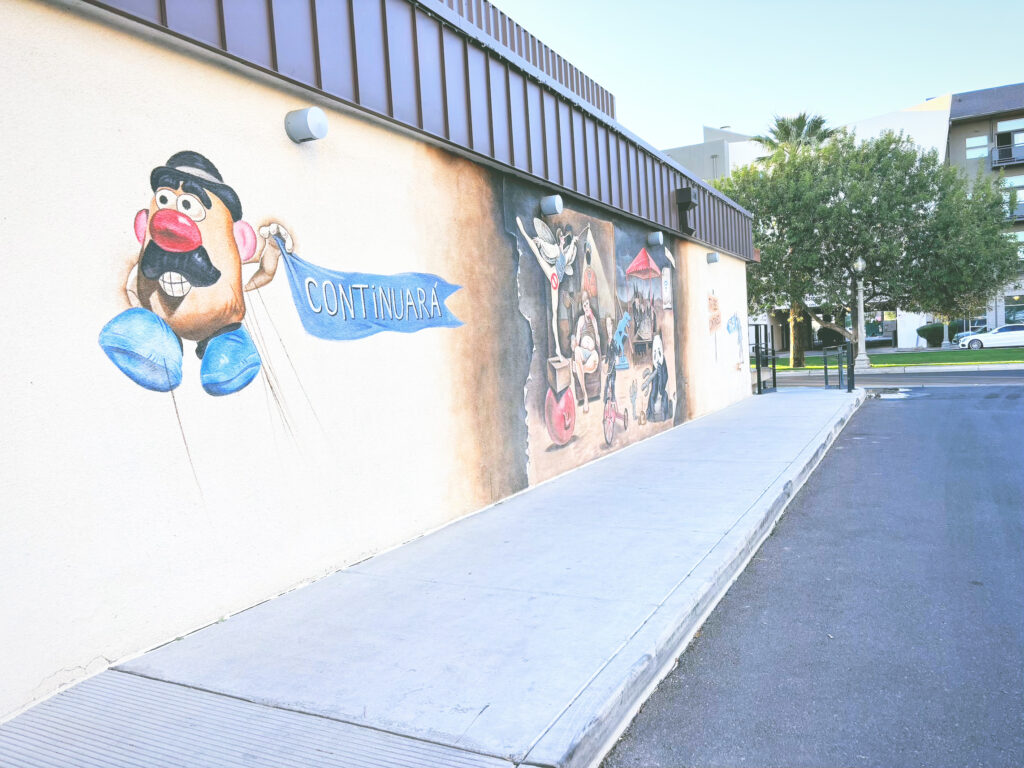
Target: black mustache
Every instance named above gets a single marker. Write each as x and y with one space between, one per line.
195 266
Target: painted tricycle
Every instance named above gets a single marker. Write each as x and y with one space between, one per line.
612 414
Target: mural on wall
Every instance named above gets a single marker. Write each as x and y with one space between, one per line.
734 328
186 284
352 305
602 370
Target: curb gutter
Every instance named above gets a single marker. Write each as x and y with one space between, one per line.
597 718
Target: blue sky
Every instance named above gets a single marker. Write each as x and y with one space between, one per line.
676 65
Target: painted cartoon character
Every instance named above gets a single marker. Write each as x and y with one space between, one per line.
733 326
187 283
585 344
658 407
555 253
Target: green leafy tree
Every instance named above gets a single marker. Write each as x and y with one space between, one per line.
967 251
779 196
928 243
785 140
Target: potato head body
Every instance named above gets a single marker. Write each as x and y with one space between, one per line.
192 311
188 283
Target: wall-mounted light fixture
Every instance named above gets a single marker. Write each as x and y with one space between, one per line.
551 205
655 238
686 200
306 124
712 258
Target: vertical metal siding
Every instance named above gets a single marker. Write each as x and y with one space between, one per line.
700 214
479 100
494 23
563 137
552 139
403 67
417 63
535 124
627 151
579 152
293 31
247 31
334 42
371 64
617 151
519 124
590 145
501 138
150 10
643 186
198 20
456 88
430 67
604 176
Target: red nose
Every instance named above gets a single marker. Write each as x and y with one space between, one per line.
174 231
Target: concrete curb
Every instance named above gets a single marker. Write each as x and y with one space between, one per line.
589 728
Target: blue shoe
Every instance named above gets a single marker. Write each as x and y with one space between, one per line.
229 362
145 348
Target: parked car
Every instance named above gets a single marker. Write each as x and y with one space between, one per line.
1004 336
964 334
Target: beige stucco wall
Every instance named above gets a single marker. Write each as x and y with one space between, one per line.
112 539
715 362
131 517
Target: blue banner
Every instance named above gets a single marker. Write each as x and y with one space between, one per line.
352 305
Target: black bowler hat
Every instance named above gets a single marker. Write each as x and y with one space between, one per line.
192 166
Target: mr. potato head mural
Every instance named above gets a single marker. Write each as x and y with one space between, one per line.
187 283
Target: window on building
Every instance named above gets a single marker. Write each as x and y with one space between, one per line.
1017 124
977 146
1014 309
1009 142
1014 183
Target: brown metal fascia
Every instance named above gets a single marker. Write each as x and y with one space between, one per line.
717 238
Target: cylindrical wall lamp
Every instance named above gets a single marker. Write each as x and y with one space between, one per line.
551 205
655 238
305 124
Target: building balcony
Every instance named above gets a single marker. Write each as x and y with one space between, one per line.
1008 154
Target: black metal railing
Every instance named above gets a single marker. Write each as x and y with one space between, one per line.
1007 154
843 355
763 352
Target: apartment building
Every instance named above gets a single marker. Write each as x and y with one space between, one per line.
986 132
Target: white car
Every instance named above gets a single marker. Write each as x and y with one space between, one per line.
1004 336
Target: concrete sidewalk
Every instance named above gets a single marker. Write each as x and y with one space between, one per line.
526 634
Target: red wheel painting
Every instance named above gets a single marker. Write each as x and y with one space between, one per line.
560 415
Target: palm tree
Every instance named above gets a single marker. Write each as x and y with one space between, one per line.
791 134
788 136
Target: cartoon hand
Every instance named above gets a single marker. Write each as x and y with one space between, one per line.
269 230
269 257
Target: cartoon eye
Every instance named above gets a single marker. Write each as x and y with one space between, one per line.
165 198
191 207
